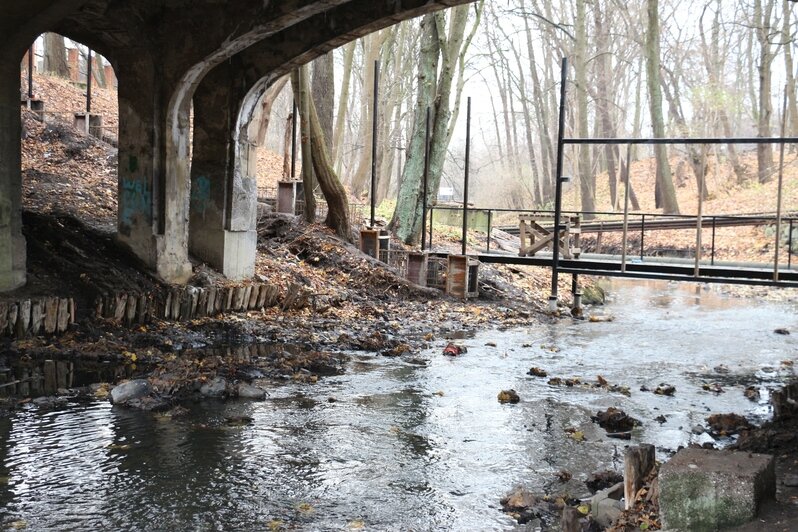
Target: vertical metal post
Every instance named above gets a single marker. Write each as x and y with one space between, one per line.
626 206
30 73
88 88
374 119
465 179
555 259
294 119
699 221
490 223
425 191
642 233
781 180
789 246
712 259
576 310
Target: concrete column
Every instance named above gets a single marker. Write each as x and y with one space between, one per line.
223 196
152 217
12 243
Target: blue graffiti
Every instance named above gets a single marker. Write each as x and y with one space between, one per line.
200 194
136 200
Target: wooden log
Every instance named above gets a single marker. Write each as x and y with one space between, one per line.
73 311
263 291
120 305
23 319
142 309
130 309
194 292
13 311
637 463
238 298
61 374
202 303
176 302
167 307
51 315
228 304
570 520
253 296
63 315
3 317
50 382
98 307
211 306
36 317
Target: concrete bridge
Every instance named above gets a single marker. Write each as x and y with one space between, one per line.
220 54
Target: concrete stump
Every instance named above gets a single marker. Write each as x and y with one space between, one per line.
703 489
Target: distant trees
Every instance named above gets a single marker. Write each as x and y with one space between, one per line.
55 59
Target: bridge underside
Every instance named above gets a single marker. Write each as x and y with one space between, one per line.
164 53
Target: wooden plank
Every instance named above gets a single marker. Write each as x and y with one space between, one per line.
51 315
3 317
637 463
253 296
13 312
202 303
63 315
211 308
23 319
130 309
36 317
120 304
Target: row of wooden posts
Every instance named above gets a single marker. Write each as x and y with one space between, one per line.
53 315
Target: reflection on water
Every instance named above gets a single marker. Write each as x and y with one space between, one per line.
393 445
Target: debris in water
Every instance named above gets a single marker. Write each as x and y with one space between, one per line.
564 475
596 318
665 389
238 421
509 396
752 393
714 388
615 420
601 381
575 434
600 480
781 330
453 350
728 424
537 372
555 381
490 344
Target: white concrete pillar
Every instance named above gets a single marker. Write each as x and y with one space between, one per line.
12 243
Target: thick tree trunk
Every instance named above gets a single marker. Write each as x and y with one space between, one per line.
55 61
299 85
587 180
665 191
323 93
789 68
289 128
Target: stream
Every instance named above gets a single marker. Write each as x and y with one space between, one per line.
408 443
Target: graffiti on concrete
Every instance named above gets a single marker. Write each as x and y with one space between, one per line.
136 200
200 195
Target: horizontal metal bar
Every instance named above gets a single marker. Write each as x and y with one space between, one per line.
706 140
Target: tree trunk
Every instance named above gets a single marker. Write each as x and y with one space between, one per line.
266 104
334 192
323 93
287 141
300 87
55 61
792 103
764 152
587 180
343 102
666 192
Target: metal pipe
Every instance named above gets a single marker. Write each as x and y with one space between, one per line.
778 198
374 119
642 233
490 220
555 258
465 178
626 205
293 140
699 218
789 246
88 88
425 192
701 140
30 74
712 259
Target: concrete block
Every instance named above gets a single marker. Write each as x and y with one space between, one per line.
703 489
606 505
